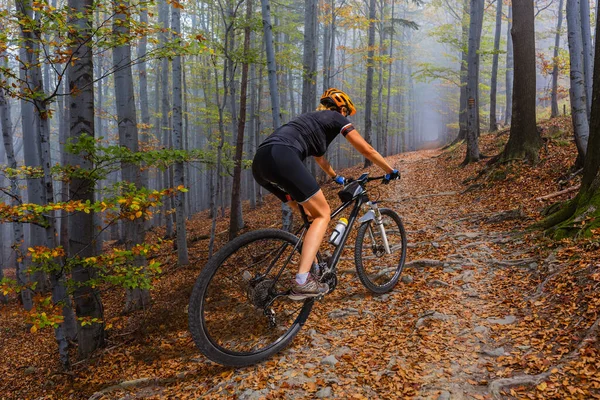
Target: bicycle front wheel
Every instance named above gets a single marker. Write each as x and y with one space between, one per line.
378 271
239 313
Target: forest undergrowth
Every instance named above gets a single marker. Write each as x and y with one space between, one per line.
485 309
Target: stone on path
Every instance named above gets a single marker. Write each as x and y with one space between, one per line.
445 395
494 353
330 360
509 319
407 279
324 393
250 394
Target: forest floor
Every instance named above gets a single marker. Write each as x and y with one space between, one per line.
485 309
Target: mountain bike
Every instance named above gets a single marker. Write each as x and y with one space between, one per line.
239 312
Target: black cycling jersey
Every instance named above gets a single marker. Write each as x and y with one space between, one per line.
310 133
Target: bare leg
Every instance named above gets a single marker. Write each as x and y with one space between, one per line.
318 208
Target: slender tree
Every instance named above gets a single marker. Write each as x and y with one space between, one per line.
81 225
494 83
472 94
177 133
369 83
18 237
510 65
554 106
134 234
235 224
577 90
588 53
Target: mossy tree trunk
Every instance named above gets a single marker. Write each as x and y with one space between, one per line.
581 215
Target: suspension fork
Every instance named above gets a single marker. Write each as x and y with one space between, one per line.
379 222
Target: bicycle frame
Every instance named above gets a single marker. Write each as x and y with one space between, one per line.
358 201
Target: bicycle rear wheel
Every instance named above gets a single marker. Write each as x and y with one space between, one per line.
378 271
239 313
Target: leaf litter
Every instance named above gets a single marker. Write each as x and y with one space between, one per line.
485 308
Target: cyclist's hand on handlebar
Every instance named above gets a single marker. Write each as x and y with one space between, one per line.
340 180
395 174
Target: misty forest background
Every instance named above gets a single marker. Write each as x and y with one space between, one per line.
120 119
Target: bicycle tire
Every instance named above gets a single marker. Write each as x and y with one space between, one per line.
200 301
397 239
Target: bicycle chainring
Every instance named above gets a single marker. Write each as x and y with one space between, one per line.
330 279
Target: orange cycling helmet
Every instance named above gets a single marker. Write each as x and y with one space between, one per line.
333 96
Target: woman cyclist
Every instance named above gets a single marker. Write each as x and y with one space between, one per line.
278 167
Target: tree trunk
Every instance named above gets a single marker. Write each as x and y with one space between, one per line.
309 78
163 12
524 140
236 222
143 79
475 27
577 90
182 250
509 68
462 103
81 225
494 83
588 53
369 84
136 298
554 107
17 241
272 67
582 214
389 80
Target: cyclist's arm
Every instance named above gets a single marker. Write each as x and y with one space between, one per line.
367 150
325 166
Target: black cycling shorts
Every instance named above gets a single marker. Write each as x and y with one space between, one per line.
280 170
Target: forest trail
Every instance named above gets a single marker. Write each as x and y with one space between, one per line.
430 338
478 301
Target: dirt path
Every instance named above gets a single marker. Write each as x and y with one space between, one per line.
433 337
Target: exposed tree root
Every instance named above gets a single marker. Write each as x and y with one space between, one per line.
495 387
424 263
560 192
498 385
514 263
131 384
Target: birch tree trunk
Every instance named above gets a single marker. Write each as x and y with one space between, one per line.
554 107
524 140
136 298
509 68
81 225
475 27
494 83
369 84
577 90
182 250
